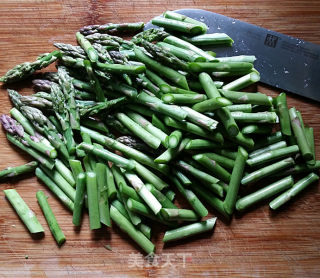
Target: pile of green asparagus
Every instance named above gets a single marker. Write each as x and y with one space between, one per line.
125 124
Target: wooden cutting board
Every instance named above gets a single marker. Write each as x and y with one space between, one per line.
259 243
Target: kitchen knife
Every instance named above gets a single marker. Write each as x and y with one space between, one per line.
284 62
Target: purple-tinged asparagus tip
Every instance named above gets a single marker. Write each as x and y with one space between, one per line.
35 139
11 125
38 136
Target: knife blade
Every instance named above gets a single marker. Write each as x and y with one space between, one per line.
285 62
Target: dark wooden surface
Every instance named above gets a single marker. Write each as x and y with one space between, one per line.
260 243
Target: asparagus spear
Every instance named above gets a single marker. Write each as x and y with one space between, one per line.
272 155
50 217
200 144
25 213
210 39
112 28
256 129
140 209
213 167
182 177
24 70
150 35
171 153
174 139
95 124
42 84
240 58
120 207
186 45
209 181
237 172
179 214
124 189
130 152
139 131
228 121
184 18
283 112
176 25
222 160
47 162
155 104
76 167
194 129
227 153
267 171
121 183
122 88
164 56
79 199
15 129
243 97
94 81
219 67
93 204
61 182
66 84
295 190
71 50
163 199
26 124
18 170
183 98
192 199
101 171
157 122
181 53
300 168
112 191
144 123
42 123
264 193
63 115
143 81
34 101
260 117
106 155
167 89
240 107
211 199
208 85
55 189
310 139
93 108
102 52
300 135
118 68
165 71
128 228
243 141
143 192
87 47
156 79
243 81
189 230
170 195
135 143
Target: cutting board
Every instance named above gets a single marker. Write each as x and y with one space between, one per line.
258 243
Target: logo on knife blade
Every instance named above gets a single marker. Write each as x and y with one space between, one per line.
271 40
